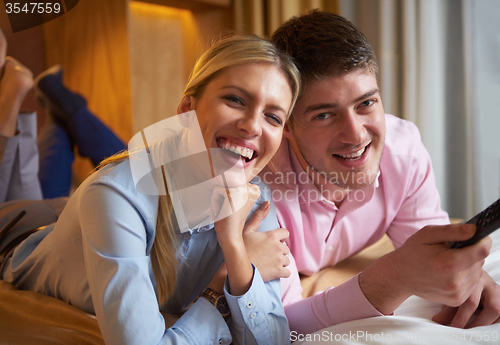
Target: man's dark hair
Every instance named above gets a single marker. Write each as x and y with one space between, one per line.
324 44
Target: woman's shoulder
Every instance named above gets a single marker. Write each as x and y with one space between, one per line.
118 179
116 175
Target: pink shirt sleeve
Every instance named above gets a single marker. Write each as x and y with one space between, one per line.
421 204
343 303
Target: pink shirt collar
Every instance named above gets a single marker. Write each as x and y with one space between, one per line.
309 193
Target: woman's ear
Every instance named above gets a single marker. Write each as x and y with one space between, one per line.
186 105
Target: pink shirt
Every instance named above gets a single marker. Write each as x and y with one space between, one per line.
403 199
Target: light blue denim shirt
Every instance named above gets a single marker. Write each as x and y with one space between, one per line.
97 258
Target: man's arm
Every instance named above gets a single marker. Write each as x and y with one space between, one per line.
343 303
421 207
427 267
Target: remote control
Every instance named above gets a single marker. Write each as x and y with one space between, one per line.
486 222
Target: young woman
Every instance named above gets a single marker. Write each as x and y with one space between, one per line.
122 255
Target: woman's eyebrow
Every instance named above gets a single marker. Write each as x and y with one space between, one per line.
251 97
247 94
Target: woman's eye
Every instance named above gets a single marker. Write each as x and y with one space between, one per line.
234 99
275 119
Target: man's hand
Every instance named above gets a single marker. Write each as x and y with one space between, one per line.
267 250
426 266
484 303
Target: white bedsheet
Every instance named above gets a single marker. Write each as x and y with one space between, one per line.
411 323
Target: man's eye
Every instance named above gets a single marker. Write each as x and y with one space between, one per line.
323 116
367 103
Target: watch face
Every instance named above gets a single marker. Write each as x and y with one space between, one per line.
222 306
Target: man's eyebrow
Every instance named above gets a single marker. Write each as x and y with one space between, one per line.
315 107
250 96
366 95
319 106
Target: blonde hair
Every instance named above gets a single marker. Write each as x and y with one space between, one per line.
237 50
227 52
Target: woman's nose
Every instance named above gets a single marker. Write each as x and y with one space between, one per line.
250 124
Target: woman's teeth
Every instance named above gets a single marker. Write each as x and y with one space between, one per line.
353 156
242 151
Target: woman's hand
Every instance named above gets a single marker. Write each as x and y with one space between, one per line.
217 282
231 208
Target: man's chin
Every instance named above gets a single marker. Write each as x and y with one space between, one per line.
353 180
350 186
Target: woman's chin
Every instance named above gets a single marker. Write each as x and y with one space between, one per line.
235 178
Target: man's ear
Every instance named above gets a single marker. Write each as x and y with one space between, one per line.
287 130
185 105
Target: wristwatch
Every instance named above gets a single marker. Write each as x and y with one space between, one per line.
219 301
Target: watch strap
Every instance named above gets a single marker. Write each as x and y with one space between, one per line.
218 301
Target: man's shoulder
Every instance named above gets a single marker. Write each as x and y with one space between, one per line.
404 153
401 135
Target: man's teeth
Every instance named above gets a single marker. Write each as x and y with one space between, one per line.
242 151
354 155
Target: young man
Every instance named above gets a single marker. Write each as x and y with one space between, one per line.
347 174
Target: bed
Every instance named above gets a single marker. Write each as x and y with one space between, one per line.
29 318
411 323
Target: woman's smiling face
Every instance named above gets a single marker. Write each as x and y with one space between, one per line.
243 111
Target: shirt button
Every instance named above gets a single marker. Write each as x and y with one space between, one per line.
330 248
249 304
253 315
186 236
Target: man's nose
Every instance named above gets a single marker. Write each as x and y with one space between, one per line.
353 131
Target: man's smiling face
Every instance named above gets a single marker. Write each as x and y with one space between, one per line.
338 128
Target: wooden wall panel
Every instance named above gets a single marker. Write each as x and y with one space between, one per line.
210 24
131 68
91 43
160 60
164 45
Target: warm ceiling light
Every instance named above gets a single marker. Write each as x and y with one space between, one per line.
157 10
